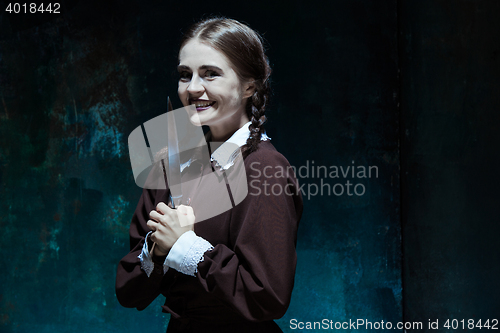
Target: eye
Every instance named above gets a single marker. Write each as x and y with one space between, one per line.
185 76
211 74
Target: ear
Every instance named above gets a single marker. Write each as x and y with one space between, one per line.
249 88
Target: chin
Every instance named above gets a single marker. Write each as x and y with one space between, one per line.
195 120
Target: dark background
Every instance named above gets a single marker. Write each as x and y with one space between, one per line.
411 87
450 99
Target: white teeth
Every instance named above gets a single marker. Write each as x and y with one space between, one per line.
202 104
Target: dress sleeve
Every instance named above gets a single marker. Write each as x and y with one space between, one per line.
255 274
134 288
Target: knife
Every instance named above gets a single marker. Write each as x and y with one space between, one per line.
174 165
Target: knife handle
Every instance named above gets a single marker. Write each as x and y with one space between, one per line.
175 201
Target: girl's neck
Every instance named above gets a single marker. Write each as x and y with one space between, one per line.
223 133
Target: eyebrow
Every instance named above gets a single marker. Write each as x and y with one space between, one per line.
211 67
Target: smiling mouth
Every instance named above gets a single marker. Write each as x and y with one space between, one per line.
202 105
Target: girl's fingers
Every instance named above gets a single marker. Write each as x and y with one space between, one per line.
185 215
162 211
185 210
152 225
182 210
162 208
154 215
165 220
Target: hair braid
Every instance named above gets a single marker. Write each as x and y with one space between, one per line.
256 108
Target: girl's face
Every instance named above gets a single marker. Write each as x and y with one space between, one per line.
208 80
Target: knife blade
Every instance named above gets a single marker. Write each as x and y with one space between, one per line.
174 165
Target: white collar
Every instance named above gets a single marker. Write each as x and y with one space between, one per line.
225 155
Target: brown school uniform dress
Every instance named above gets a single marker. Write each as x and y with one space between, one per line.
246 281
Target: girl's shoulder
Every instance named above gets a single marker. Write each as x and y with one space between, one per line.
266 156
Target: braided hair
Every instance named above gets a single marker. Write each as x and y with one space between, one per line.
244 48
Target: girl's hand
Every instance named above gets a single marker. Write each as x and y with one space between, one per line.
166 224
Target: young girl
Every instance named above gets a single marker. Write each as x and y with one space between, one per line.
233 272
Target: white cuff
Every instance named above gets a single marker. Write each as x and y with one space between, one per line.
187 252
146 258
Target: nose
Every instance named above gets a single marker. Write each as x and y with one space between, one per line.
195 86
